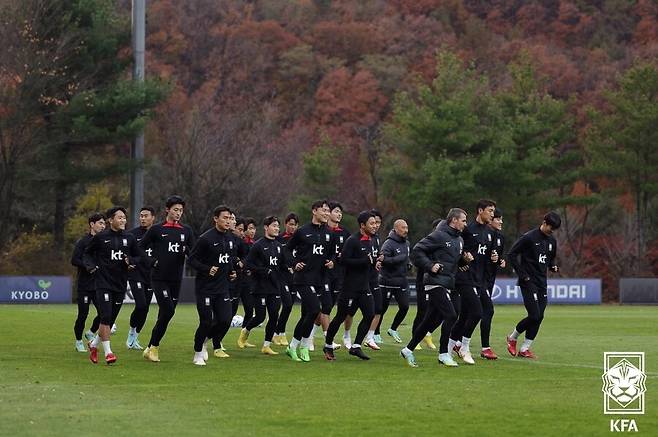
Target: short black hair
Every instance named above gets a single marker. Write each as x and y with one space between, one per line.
553 219
220 209
484 204
333 205
319 204
292 216
240 221
270 219
498 213
95 217
363 217
110 212
376 213
176 200
249 221
148 208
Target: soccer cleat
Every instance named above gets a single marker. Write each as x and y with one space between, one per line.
204 351
276 340
428 341
292 353
131 339
329 354
527 354
80 346
347 341
247 344
372 345
335 346
242 338
357 352
89 335
268 351
488 354
110 358
378 339
152 354
136 345
411 360
283 340
198 360
219 353
418 348
466 356
447 360
311 345
114 329
304 355
456 348
511 346
393 333
93 354
146 352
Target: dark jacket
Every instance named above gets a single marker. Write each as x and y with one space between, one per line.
169 244
492 268
212 249
357 259
375 250
86 280
443 246
312 245
267 265
396 261
339 237
141 272
478 240
108 251
531 256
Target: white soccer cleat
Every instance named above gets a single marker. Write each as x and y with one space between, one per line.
466 356
198 359
335 346
204 352
114 329
347 341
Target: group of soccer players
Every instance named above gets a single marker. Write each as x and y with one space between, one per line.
320 264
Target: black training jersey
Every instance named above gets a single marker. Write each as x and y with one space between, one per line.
537 252
312 245
107 251
492 268
213 249
374 253
356 256
267 266
142 272
169 244
478 240
86 280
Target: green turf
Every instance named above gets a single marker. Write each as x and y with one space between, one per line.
46 388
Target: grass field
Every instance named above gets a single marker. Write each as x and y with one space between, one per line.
46 388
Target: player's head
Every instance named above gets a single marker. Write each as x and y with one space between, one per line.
456 218
292 223
378 218
485 210
250 227
116 217
146 216
222 218
174 206
271 226
367 222
320 211
96 223
335 212
240 226
497 221
401 228
552 222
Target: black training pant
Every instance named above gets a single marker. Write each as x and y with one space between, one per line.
166 293
310 309
487 317
84 299
287 299
348 303
440 310
214 318
109 305
269 303
401 297
142 294
328 299
535 304
470 314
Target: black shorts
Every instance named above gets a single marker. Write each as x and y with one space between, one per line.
109 303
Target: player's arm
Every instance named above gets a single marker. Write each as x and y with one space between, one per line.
197 256
351 254
514 255
89 256
147 243
422 250
135 253
553 257
390 257
78 252
256 261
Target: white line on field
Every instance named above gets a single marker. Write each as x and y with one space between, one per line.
584 366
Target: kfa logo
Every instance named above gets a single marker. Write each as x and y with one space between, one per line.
624 383
274 261
482 249
318 249
542 259
173 247
223 258
116 255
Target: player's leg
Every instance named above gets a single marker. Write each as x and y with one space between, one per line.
485 325
83 301
287 300
273 303
402 299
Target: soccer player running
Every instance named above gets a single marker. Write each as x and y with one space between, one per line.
248 283
490 272
139 280
86 283
212 260
531 256
287 295
393 275
110 254
357 258
314 255
470 280
170 243
267 264
439 255
373 338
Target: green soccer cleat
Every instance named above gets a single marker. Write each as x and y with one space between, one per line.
304 354
378 339
292 353
411 360
80 346
395 335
